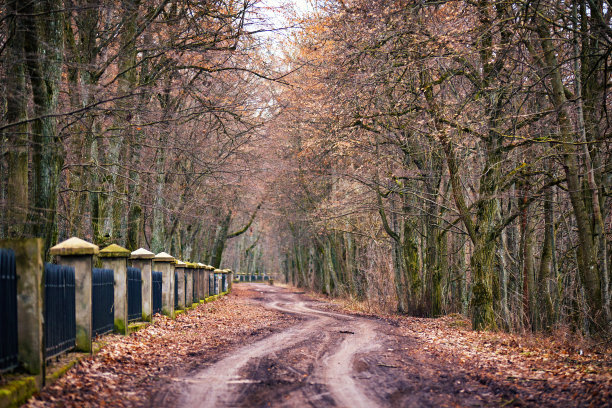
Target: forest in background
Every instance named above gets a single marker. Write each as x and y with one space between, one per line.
421 157
130 122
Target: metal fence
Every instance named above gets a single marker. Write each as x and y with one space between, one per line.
8 310
156 278
224 282
194 288
176 299
102 301
134 295
211 284
60 322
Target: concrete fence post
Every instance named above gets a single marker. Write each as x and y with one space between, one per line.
188 287
115 257
30 298
180 268
200 268
196 283
230 277
164 263
79 254
143 260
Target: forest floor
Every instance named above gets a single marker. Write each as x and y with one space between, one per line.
271 346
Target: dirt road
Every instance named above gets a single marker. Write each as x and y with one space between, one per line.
330 359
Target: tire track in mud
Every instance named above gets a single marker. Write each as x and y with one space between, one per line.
332 381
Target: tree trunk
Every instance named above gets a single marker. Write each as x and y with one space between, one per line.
17 135
44 52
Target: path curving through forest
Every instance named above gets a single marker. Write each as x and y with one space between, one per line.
225 382
331 359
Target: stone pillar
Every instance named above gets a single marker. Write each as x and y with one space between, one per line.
201 281
180 268
143 260
196 283
115 257
230 277
188 287
164 263
79 254
30 290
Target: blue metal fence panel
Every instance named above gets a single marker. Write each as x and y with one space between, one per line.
134 288
156 278
176 302
8 310
194 284
211 284
224 282
102 301
60 315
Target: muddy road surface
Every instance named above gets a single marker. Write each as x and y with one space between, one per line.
329 359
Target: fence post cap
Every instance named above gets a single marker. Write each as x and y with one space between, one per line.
164 257
218 271
74 246
200 265
180 264
209 268
191 265
142 253
114 251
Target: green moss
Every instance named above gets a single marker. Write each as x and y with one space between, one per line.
57 374
179 312
83 342
146 317
136 326
120 326
114 251
17 391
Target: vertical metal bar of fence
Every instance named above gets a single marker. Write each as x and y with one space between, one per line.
103 299
60 323
8 310
134 294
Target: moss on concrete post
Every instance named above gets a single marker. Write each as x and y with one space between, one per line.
79 254
143 260
164 263
115 257
179 268
30 292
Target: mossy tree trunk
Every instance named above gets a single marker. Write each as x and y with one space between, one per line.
44 44
16 136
